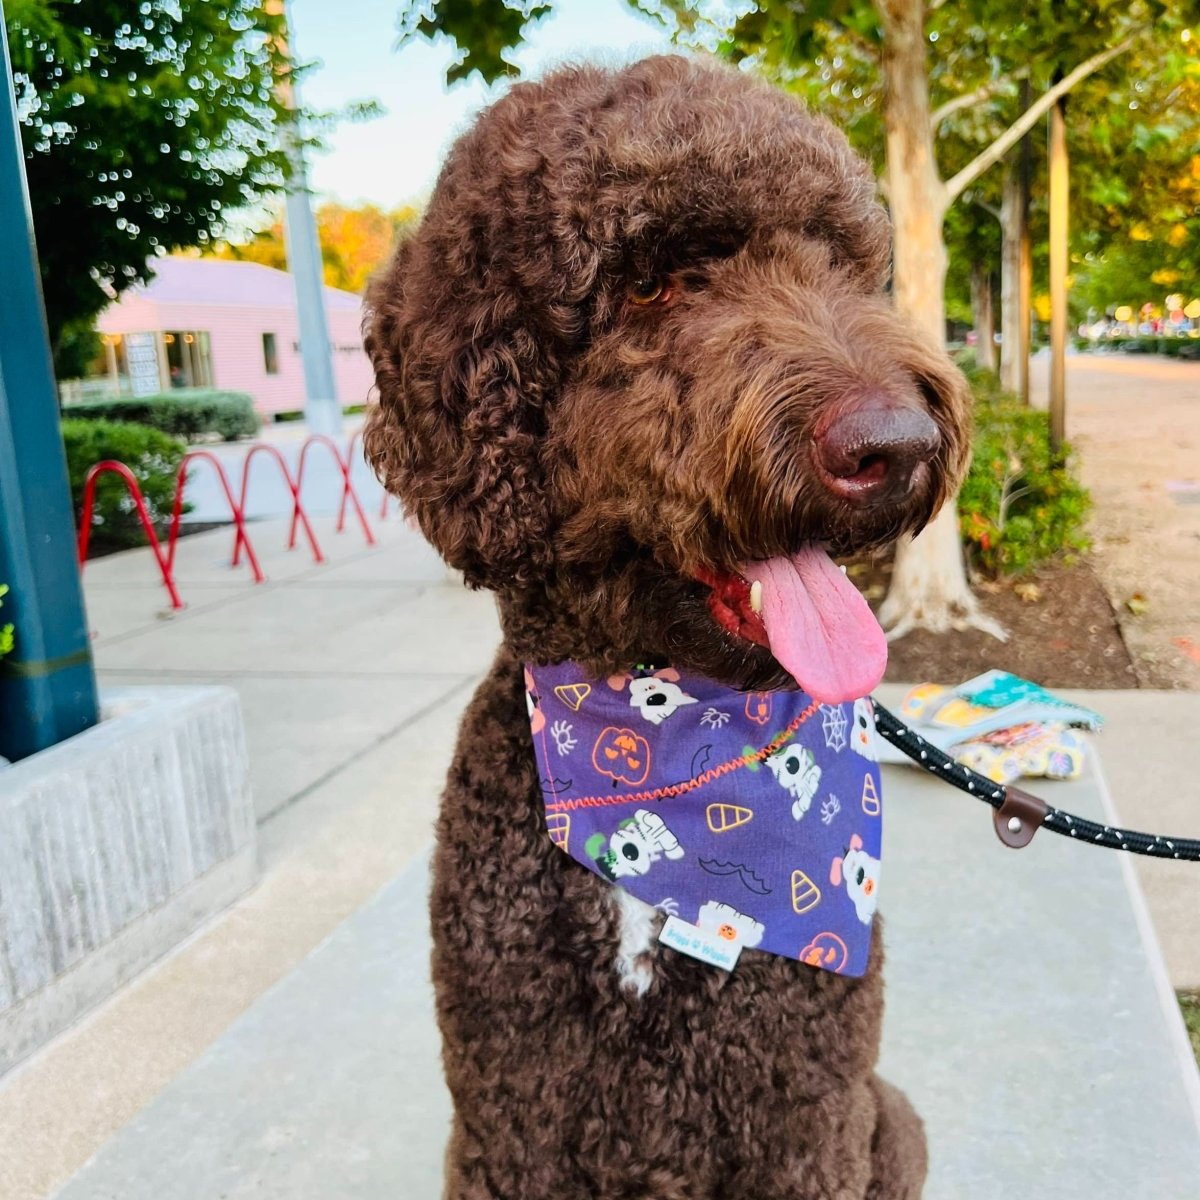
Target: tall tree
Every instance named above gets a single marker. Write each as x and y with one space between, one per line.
354 242
932 63
142 124
938 63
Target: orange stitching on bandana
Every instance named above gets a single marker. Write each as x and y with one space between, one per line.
679 789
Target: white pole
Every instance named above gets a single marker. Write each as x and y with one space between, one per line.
322 410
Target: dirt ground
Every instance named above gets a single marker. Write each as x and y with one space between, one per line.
1062 631
1135 423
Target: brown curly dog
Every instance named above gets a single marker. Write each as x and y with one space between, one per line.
639 339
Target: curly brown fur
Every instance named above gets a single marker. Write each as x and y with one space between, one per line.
585 456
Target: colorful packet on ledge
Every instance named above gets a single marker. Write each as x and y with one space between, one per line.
1000 725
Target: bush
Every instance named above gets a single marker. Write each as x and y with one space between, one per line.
1018 506
189 414
150 454
1171 346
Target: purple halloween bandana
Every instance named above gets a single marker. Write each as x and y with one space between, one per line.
753 816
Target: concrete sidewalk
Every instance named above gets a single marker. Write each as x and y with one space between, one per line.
1033 1051
352 676
267 495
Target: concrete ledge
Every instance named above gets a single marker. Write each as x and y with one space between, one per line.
113 847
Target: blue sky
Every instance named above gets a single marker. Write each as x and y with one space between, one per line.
395 158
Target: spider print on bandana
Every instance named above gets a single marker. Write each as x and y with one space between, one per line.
563 735
834 725
714 718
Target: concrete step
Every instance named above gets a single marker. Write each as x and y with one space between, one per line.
1029 1018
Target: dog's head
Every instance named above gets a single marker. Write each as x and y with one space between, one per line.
636 359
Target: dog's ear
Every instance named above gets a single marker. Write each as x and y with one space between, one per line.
458 429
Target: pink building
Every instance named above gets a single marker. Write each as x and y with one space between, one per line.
206 322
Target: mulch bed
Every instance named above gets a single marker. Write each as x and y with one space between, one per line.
1062 632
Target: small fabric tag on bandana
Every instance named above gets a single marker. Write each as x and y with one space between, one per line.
720 950
753 818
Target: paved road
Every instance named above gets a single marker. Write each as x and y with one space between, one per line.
1135 421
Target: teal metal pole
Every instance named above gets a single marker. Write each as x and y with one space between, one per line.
47 685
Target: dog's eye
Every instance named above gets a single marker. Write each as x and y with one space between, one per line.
651 290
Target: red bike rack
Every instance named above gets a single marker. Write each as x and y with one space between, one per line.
135 494
348 492
299 516
356 436
242 538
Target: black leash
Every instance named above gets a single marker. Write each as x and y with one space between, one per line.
1017 814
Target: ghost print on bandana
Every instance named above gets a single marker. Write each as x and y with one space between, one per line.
755 816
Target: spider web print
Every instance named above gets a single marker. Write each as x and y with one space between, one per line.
833 724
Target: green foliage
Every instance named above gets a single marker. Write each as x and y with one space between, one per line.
150 454
142 123
77 348
1169 347
186 414
483 30
1018 506
6 631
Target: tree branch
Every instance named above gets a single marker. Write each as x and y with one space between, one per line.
1026 121
965 100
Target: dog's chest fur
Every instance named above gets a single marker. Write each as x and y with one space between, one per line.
639 926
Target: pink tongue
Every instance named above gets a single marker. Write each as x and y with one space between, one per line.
820 627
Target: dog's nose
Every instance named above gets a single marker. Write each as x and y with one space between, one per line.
871 451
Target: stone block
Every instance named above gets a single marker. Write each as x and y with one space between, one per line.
115 845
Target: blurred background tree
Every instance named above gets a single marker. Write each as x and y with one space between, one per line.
143 124
354 242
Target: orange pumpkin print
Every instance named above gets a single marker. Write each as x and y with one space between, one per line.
826 950
758 707
622 755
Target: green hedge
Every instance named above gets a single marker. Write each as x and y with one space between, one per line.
189 414
150 454
1018 506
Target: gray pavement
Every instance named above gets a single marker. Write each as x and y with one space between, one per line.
267 494
327 658
1027 1017
288 1046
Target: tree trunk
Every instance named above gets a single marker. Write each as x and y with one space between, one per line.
929 582
1026 305
1025 280
1011 224
983 317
